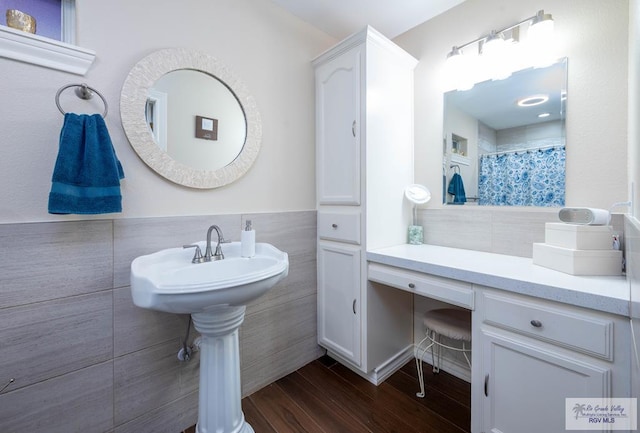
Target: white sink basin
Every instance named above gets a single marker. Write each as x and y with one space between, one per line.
168 281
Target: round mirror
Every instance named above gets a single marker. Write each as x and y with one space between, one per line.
190 119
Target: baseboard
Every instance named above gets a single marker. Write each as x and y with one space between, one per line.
383 371
393 364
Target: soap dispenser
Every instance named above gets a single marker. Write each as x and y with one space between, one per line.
248 241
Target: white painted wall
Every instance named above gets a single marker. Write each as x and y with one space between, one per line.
634 103
633 264
593 34
269 49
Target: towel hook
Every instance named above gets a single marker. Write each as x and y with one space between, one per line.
83 92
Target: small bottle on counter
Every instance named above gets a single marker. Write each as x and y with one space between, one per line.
248 241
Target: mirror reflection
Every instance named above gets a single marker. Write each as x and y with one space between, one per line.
196 119
504 140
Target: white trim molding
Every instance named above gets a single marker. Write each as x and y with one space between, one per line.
68 15
41 51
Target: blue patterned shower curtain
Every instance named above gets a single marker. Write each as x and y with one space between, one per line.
527 178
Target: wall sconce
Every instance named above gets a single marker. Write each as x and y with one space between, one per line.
496 54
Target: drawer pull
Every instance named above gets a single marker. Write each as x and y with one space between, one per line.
354 306
412 286
334 225
353 128
486 386
536 323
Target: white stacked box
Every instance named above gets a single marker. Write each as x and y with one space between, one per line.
579 237
578 250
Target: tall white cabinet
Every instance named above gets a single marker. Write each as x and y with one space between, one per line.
364 152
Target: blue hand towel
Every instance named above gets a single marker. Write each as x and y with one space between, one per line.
456 188
86 177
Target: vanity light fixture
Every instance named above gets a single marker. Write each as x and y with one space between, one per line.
454 55
531 101
493 46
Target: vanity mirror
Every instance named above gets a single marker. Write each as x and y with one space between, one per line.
506 140
190 119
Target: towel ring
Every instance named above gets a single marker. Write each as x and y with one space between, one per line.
83 92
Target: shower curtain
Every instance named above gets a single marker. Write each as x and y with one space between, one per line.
527 178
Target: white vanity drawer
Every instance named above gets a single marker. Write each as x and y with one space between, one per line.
545 320
339 226
443 289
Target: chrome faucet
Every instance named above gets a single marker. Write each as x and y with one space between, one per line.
217 255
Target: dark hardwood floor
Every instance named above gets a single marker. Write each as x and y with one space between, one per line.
326 397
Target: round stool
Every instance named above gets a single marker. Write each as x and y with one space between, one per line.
444 322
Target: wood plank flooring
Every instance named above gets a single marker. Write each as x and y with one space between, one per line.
326 397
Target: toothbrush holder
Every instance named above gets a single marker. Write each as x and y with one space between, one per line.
416 235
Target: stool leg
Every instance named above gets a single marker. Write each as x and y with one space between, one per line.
464 352
436 346
436 364
419 355
420 378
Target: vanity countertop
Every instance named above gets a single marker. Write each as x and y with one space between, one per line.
515 274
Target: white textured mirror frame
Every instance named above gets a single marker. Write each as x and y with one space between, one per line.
133 100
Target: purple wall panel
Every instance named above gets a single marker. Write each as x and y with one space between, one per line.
46 12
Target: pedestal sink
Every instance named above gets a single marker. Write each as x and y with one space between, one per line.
215 294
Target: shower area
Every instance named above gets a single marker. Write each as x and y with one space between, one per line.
522 166
533 177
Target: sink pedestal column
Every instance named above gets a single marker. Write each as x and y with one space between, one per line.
220 409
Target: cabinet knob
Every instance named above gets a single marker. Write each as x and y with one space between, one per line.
412 286
334 225
536 323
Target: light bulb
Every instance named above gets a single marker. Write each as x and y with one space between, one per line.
541 29
495 57
494 46
539 40
457 70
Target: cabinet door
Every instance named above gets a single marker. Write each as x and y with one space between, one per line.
525 385
339 300
338 129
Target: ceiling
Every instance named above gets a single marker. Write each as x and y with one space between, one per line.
341 18
494 103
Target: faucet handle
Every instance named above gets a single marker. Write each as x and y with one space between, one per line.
198 257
